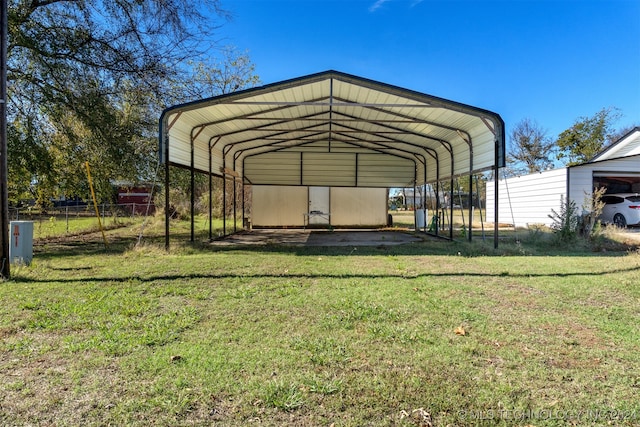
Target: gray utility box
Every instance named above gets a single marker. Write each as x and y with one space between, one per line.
21 239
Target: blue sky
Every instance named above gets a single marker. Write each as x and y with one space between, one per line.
549 61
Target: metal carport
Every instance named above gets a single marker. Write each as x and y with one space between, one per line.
331 129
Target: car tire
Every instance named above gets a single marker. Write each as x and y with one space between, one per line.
620 220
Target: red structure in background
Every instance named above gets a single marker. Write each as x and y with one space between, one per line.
136 199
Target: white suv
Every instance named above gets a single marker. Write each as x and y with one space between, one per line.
621 209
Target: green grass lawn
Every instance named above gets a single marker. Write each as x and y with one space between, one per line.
435 333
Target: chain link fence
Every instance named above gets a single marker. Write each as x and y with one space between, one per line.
78 219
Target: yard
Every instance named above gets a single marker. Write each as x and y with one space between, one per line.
430 333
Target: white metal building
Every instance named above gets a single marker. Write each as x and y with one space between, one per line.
530 199
328 130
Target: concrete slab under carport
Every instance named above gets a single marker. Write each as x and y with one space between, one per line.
315 237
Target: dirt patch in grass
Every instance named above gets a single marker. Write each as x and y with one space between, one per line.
338 237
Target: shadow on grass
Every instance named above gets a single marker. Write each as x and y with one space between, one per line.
174 277
180 243
429 246
52 251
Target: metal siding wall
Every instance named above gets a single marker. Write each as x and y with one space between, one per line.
580 185
274 169
358 206
201 158
530 198
581 177
479 160
461 154
180 153
328 169
371 166
216 163
278 206
432 169
177 150
631 164
445 162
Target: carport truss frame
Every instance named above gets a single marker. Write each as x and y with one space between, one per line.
331 129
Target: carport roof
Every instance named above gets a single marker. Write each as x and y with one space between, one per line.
332 129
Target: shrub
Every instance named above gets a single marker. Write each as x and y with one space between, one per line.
566 222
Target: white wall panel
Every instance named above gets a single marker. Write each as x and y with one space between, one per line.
580 185
279 206
358 206
283 206
528 199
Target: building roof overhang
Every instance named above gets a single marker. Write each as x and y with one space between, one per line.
332 129
627 145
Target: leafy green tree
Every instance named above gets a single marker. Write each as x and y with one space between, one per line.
530 147
218 76
33 164
587 137
85 83
229 72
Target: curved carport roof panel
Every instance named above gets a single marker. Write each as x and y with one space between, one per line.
331 129
327 114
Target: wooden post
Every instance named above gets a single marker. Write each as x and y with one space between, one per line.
4 197
95 203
